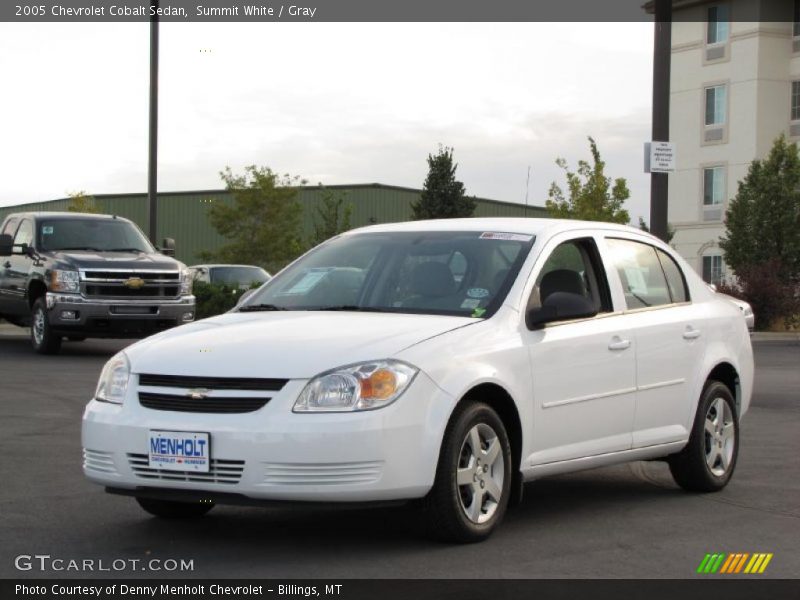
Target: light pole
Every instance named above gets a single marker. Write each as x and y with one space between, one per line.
662 55
152 155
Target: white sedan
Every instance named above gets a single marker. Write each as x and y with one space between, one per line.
445 362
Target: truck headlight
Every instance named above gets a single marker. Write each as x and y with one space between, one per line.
64 281
114 380
363 386
186 282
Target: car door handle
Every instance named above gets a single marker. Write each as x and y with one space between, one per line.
619 344
691 333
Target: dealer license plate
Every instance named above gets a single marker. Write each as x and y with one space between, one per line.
179 451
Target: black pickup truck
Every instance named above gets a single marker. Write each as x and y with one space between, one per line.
84 275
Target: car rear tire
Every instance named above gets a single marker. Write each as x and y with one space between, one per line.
168 509
707 462
473 478
43 340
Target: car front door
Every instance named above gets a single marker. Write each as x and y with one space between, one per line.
668 332
17 268
584 371
10 228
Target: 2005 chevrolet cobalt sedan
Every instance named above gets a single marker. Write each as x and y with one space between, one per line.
445 362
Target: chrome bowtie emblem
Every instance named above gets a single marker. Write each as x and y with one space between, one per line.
198 394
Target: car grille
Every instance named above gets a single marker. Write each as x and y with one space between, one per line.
112 284
212 383
221 404
199 394
322 473
220 471
96 460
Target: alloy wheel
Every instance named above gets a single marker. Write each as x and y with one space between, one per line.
720 437
481 473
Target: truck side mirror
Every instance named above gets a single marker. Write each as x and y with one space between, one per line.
168 247
6 245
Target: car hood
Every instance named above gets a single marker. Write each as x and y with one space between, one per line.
85 259
283 345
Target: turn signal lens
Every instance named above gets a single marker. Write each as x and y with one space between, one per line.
380 385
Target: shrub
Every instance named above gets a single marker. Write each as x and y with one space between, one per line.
214 298
771 295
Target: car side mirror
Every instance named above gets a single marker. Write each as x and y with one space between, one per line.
6 245
168 247
560 306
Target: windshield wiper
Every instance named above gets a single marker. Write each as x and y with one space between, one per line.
81 248
260 307
126 250
350 307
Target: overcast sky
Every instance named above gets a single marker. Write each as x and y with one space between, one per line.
333 103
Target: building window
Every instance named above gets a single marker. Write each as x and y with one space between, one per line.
716 101
713 186
713 269
718 24
796 101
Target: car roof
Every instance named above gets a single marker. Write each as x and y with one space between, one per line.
533 226
65 216
215 265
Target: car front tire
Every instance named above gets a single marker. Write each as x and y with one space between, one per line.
473 478
707 462
168 509
43 340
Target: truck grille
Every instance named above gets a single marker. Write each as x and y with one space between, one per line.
117 284
219 471
213 383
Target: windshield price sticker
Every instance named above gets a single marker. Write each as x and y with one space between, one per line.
47 230
513 237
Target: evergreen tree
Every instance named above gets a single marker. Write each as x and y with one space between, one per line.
443 196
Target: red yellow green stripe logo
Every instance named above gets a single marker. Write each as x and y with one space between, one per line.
733 563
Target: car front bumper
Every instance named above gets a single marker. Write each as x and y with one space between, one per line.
72 314
274 454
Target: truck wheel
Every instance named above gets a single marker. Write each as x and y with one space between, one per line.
707 462
168 509
473 478
43 340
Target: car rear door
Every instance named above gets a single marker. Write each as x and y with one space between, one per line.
584 371
17 271
669 336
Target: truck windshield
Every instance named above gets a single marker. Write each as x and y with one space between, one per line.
99 235
450 273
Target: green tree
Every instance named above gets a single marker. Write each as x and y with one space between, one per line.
592 195
332 217
670 229
763 220
443 196
263 225
79 202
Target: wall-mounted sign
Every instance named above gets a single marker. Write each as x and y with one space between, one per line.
659 157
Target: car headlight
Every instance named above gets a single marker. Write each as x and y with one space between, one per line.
64 281
364 386
186 282
114 380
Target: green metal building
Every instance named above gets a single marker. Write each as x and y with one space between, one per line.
182 215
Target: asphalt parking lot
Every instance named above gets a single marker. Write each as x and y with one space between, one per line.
627 521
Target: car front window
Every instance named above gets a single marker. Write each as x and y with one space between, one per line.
238 275
99 235
451 273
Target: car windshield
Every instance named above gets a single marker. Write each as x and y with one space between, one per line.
238 275
450 273
99 235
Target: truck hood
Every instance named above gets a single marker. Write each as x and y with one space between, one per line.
283 345
85 259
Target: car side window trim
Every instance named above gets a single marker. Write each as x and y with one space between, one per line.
658 251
